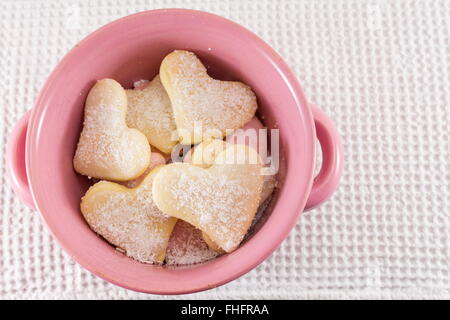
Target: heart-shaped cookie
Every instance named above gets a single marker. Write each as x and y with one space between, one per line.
107 148
204 154
221 200
150 112
129 218
203 106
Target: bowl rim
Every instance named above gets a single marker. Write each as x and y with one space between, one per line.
262 252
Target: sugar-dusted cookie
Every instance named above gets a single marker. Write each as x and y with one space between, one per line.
150 112
221 200
129 219
203 155
107 148
200 101
157 159
269 185
186 246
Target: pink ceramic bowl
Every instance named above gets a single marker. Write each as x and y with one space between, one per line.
42 145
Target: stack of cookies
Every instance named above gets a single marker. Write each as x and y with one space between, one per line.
156 210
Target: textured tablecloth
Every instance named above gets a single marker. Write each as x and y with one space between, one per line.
379 69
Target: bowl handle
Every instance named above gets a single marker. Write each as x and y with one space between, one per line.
15 161
326 182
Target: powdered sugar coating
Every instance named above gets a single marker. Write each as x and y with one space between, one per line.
199 100
221 201
129 219
150 111
107 148
204 155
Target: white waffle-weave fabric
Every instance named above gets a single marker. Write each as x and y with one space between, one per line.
379 69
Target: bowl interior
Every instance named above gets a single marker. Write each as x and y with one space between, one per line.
132 49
